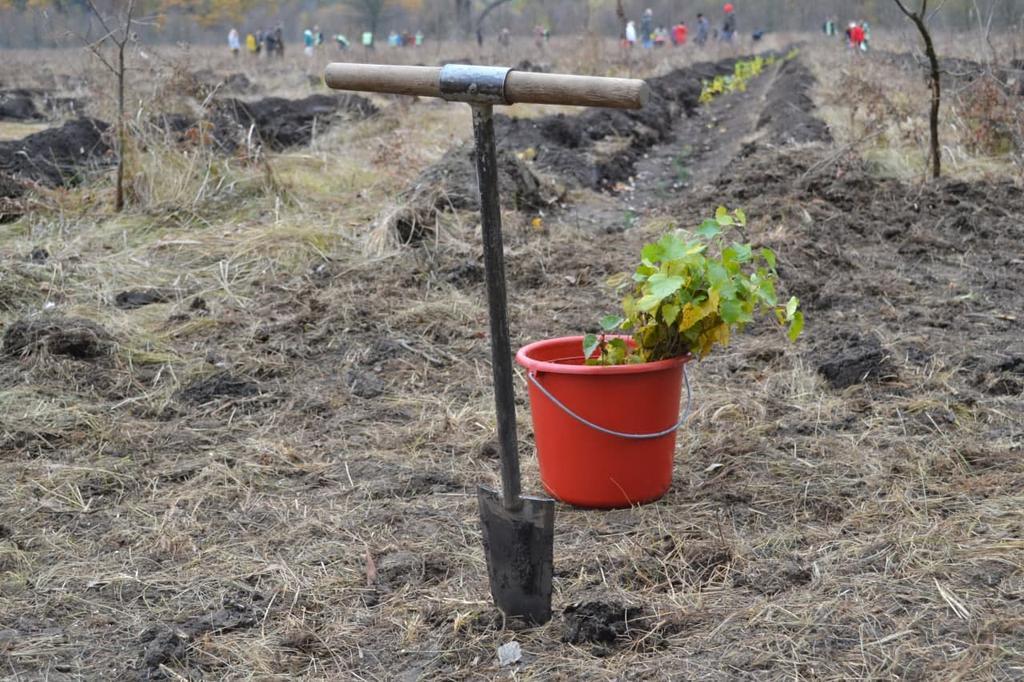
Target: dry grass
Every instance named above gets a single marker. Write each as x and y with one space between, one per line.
317 504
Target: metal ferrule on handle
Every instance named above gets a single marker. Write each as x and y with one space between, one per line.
520 87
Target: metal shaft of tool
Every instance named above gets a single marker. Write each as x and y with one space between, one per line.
494 266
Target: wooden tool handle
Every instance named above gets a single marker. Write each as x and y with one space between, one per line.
520 87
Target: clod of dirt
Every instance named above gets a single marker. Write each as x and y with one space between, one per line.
57 157
218 386
280 123
136 298
468 272
772 577
857 364
39 255
363 384
18 105
1003 378
166 644
597 622
72 336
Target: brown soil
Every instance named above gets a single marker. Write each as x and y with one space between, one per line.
58 156
304 504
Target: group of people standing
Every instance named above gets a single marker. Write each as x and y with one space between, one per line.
858 33
650 35
272 42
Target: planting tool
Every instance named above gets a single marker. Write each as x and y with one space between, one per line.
518 530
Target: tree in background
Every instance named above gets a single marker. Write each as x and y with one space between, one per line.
118 32
920 18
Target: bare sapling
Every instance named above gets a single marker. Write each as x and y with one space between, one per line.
919 18
117 34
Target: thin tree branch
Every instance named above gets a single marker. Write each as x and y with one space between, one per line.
899 3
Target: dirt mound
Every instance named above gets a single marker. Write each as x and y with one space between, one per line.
72 336
599 147
451 184
57 157
280 123
18 105
788 115
166 644
23 104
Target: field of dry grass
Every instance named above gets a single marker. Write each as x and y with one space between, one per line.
268 470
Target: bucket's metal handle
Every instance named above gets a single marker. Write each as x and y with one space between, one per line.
532 376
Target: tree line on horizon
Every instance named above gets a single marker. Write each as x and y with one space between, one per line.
47 23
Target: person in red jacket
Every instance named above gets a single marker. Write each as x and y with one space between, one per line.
679 32
856 36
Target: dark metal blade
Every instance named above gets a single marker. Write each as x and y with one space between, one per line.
519 546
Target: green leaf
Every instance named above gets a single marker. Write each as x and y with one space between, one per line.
725 220
718 276
652 253
741 217
648 303
590 344
672 247
662 286
721 211
709 229
610 323
791 307
669 312
743 252
796 326
769 257
731 310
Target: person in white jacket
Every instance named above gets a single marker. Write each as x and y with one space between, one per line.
234 42
630 33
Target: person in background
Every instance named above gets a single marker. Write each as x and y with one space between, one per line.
630 34
729 25
307 42
647 28
261 39
367 40
856 36
679 32
703 27
318 36
418 38
867 36
829 27
234 42
342 42
279 40
504 37
251 45
757 35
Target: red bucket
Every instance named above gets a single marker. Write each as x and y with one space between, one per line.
605 435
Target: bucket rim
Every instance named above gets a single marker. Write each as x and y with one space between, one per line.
533 366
